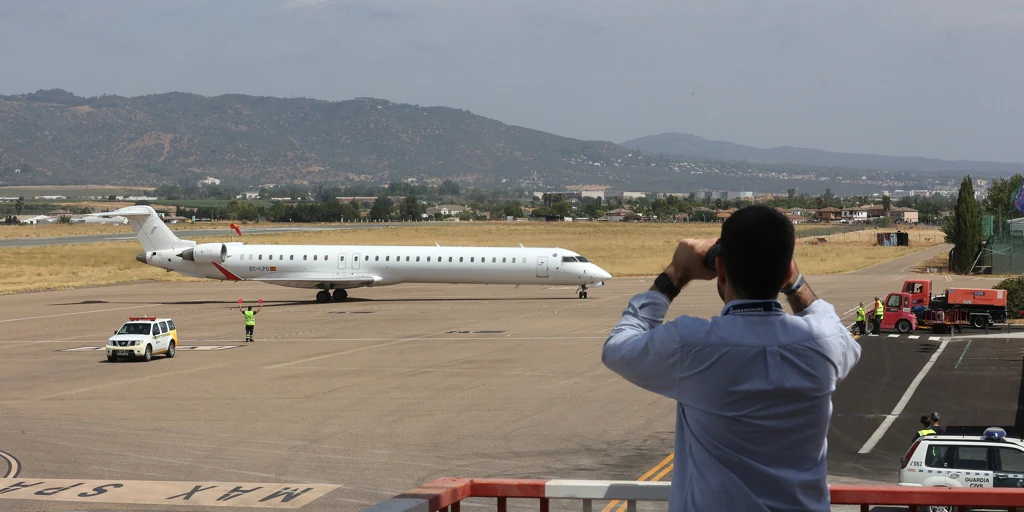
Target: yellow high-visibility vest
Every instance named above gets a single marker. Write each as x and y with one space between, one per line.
250 317
879 309
860 314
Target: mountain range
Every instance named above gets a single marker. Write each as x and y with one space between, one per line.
683 144
55 137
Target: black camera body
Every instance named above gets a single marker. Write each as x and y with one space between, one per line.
709 258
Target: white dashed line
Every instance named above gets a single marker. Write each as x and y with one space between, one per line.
913 337
894 335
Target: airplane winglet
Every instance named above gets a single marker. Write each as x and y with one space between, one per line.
437 244
521 245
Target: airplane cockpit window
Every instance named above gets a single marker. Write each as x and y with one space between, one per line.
581 259
568 259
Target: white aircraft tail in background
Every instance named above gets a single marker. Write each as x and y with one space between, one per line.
333 269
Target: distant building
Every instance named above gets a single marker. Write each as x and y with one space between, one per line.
446 210
858 214
904 215
617 214
208 181
596 194
829 214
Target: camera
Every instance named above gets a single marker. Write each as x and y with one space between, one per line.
713 252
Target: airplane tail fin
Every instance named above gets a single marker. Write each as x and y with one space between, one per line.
153 234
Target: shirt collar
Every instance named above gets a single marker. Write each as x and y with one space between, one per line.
737 305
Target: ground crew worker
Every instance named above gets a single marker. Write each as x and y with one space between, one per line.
250 319
926 428
879 313
861 315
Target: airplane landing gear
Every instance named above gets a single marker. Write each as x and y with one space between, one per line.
325 296
583 291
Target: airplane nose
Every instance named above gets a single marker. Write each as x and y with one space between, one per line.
600 273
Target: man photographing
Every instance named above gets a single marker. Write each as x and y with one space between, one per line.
753 386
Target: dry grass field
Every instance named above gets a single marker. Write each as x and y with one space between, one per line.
622 249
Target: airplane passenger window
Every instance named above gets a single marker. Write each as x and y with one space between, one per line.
280 257
449 259
503 260
417 258
494 260
471 260
314 257
304 256
513 260
261 256
250 256
376 258
325 257
291 257
460 259
428 259
406 258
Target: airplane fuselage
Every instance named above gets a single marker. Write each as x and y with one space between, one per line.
388 265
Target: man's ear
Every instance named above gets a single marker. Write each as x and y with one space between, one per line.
720 269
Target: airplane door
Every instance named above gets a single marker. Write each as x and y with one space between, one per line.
542 266
355 261
341 260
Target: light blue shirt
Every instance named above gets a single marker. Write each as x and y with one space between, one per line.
754 398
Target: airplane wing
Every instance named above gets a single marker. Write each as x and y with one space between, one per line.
319 280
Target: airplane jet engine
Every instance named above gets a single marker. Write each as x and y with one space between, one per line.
206 253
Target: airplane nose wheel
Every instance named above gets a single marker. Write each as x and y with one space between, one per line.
583 291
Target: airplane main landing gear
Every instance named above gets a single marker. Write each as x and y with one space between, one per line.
583 291
325 296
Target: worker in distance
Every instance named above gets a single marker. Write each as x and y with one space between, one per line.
752 386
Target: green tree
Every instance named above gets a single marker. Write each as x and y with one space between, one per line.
448 188
410 208
963 228
1001 194
19 205
381 209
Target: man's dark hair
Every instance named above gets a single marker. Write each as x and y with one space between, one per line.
250 308
757 250
926 421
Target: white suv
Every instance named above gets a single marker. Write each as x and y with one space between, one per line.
143 337
942 460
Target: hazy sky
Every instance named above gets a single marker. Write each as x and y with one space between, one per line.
937 78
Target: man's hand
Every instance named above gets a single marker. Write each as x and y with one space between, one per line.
688 261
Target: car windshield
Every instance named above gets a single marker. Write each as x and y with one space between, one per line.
134 328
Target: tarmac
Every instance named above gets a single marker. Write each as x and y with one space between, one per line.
339 406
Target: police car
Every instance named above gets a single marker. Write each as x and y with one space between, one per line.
990 460
143 336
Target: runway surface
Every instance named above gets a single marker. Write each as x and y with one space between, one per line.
341 405
182 233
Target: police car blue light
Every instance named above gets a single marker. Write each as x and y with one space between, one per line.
994 433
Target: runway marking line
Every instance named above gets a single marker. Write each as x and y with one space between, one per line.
877 436
665 466
76 313
138 492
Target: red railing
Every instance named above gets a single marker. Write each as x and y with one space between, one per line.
446 494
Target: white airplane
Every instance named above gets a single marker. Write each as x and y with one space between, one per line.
333 269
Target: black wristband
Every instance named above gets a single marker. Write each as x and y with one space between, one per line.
796 286
665 285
